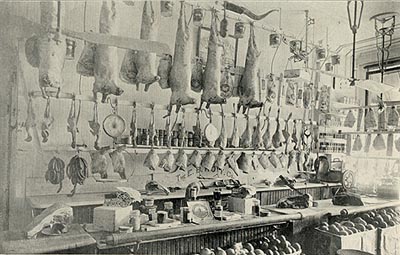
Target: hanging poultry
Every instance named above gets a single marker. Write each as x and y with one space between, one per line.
208 161
180 76
138 67
47 122
167 162
220 161
222 139
231 161
257 141
133 132
47 52
77 172
273 159
212 74
248 82
195 159
30 120
277 137
286 134
235 138
164 68
99 162
244 162
245 140
100 60
263 159
72 123
181 160
94 126
151 160
267 140
118 162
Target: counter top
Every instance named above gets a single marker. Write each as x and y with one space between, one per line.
97 199
75 238
325 207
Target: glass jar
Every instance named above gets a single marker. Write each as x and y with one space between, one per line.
134 220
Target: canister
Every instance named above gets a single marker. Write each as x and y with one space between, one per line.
162 216
169 207
148 202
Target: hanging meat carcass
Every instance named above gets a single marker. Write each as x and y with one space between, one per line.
138 67
118 162
212 75
180 76
100 60
263 159
181 160
47 52
248 83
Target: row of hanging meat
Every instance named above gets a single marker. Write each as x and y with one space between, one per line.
383 118
377 141
47 53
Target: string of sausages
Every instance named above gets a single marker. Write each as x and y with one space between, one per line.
77 171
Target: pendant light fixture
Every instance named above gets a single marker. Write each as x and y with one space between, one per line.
354 26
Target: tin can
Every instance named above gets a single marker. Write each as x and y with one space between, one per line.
190 139
139 136
186 215
218 212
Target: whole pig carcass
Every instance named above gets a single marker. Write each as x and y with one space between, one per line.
47 52
180 76
100 60
212 75
138 67
248 83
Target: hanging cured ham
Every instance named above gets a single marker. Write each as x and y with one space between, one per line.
47 122
151 160
244 162
180 76
212 75
101 61
138 67
263 159
277 137
167 162
47 52
248 83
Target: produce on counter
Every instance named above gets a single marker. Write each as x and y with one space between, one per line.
138 67
180 76
269 245
365 221
101 60
248 83
212 74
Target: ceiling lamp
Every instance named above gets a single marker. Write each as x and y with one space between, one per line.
384 29
198 15
239 30
354 26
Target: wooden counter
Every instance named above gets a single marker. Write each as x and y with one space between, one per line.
75 241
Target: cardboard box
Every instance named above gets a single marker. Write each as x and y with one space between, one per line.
242 205
109 218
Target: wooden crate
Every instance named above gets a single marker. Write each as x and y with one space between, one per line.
389 240
329 243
